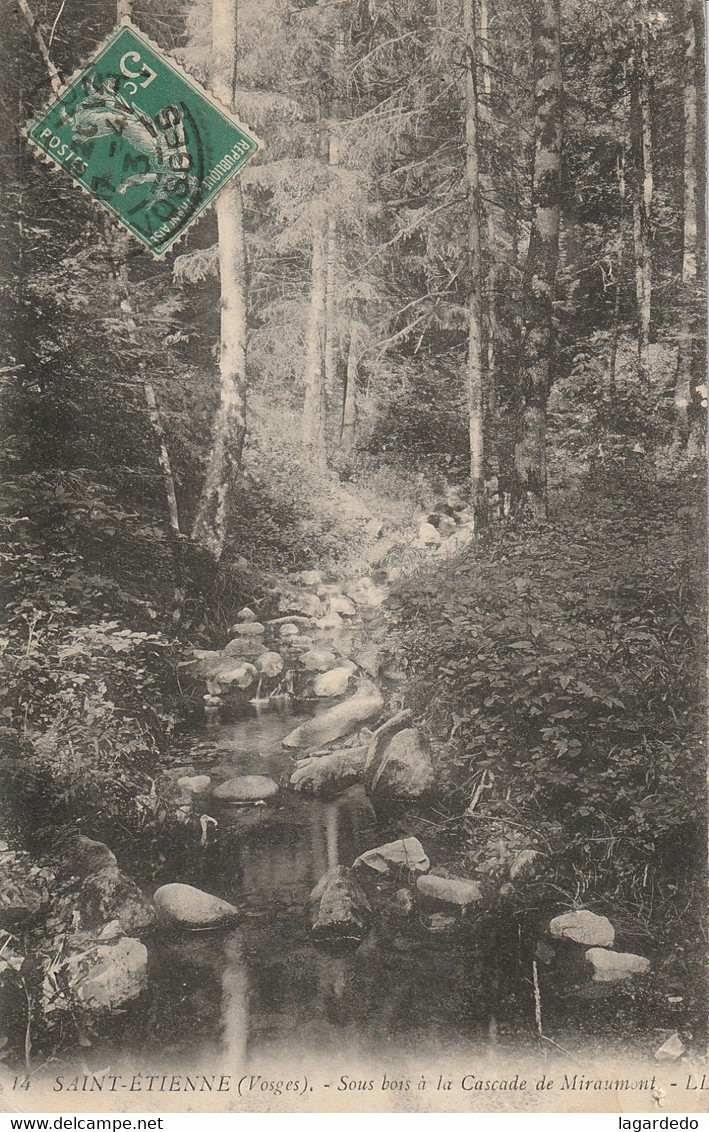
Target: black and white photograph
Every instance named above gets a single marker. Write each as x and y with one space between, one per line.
353 557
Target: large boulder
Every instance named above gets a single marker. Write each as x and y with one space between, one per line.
187 907
406 854
381 737
111 895
246 788
339 720
332 683
457 891
403 770
328 775
583 927
82 856
340 910
613 966
117 972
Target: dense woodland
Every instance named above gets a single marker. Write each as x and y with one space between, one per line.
469 264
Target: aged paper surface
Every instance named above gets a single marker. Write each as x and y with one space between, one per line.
353 734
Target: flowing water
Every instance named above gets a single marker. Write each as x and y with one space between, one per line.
263 988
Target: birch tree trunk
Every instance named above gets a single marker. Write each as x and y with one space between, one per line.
332 353
641 152
229 427
313 430
476 407
492 275
683 384
534 373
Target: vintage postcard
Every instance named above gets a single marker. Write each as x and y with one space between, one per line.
353 710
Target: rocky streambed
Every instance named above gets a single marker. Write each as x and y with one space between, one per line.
307 895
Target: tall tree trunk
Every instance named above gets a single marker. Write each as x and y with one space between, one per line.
332 353
492 274
683 383
534 374
313 431
348 431
476 407
641 152
229 427
615 326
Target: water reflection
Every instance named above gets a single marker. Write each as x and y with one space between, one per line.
266 983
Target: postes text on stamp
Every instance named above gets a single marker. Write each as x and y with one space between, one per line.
143 139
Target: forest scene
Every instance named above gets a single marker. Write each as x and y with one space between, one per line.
354 552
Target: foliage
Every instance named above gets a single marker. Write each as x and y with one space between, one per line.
564 660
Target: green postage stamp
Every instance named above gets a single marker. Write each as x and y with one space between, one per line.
142 138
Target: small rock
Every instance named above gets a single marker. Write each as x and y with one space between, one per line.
332 683
342 605
189 907
331 620
339 908
459 539
118 972
306 603
406 854
403 902
583 927
612 966
245 615
248 629
670 1050
194 784
309 577
223 668
374 528
270 664
288 630
244 648
441 922
450 890
246 788
427 536
318 660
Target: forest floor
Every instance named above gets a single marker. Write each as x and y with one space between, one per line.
556 668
